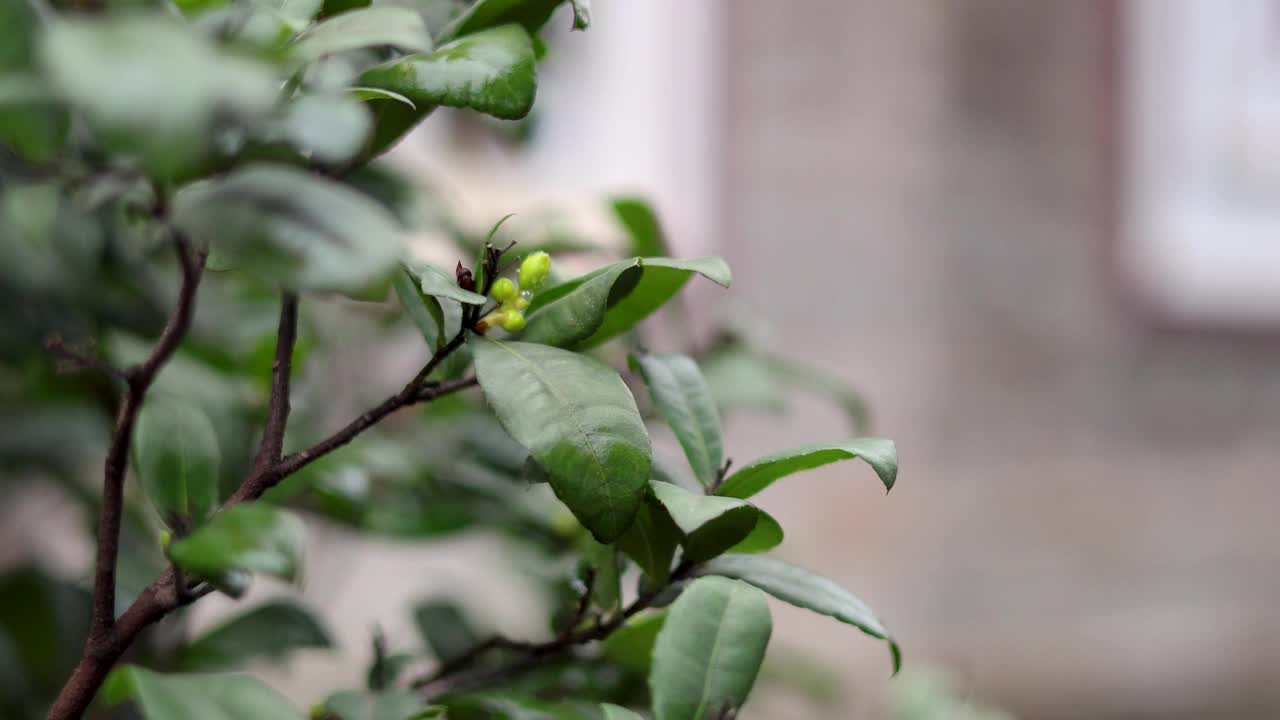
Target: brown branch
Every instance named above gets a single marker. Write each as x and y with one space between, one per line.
108 640
443 680
296 461
156 600
192 268
584 605
162 596
721 474
83 360
496 642
108 637
139 379
257 484
278 406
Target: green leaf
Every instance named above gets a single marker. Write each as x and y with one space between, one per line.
491 71
766 535
30 125
232 583
825 386
297 12
197 696
424 310
497 706
615 712
632 299
530 14
797 670
177 458
794 584
35 131
164 111
24 90
571 311
254 537
588 310
19 34
445 629
682 396
391 704
578 420
676 473
43 623
269 631
743 380
709 651
385 670
391 122
641 223
438 283
710 524
880 454
631 645
336 7
328 128
372 93
651 540
581 14
292 227
663 278
378 26
606 587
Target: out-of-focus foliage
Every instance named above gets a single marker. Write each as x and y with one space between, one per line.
928 694
251 131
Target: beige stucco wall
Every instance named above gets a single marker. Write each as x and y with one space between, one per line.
1084 522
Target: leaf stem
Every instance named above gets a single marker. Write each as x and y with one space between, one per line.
278 406
449 678
83 360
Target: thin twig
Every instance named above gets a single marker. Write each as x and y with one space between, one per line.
443 680
108 637
296 461
139 379
192 268
162 595
83 360
584 604
278 406
721 474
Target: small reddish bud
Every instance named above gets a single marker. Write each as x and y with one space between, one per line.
465 280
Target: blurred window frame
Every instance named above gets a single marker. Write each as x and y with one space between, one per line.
1199 150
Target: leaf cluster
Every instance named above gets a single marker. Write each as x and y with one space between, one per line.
227 153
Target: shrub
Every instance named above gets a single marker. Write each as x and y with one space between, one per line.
196 220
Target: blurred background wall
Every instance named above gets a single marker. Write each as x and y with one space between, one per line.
921 195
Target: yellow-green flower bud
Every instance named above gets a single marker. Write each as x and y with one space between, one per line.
564 524
534 270
166 537
514 321
503 290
